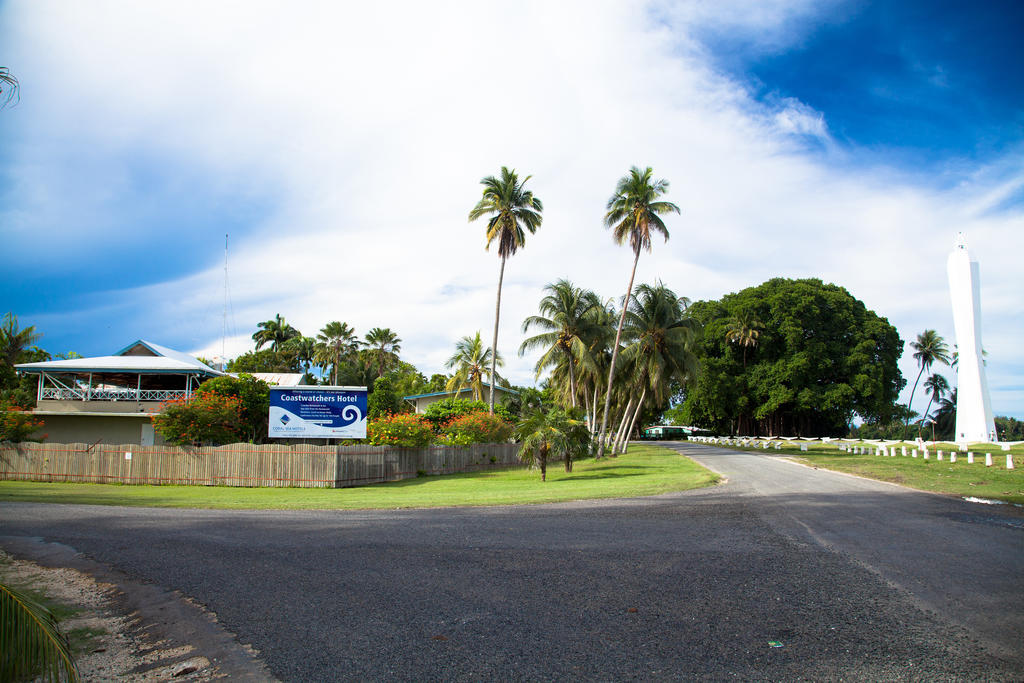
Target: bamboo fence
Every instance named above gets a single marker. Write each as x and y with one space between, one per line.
299 465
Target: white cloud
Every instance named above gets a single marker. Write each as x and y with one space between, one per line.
365 128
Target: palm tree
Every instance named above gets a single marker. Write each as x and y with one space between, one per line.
744 330
944 419
13 341
566 316
384 348
551 433
470 362
8 87
633 212
336 340
511 208
304 349
928 348
936 386
274 332
33 645
662 347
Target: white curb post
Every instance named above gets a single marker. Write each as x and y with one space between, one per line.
913 453
970 458
1009 461
904 450
988 460
952 457
939 456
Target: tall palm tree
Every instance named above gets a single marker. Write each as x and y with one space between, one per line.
512 208
470 362
384 348
8 87
14 340
929 348
633 212
336 341
936 386
566 316
662 347
274 332
744 331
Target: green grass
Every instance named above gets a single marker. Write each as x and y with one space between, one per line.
958 479
644 471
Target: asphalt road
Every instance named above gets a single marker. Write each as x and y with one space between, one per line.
851 580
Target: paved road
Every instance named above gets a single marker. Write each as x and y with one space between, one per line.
855 579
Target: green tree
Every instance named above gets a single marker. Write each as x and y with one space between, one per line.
382 399
14 340
929 348
384 347
265 360
744 330
544 434
633 212
512 211
335 342
936 387
274 332
662 347
470 362
566 316
822 358
304 349
254 399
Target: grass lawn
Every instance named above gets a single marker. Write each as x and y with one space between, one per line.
959 478
644 471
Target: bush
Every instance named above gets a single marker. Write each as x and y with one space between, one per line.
16 423
382 400
476 428
402 431
205 418
441 413
254 397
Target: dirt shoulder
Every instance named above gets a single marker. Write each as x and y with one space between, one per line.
125 630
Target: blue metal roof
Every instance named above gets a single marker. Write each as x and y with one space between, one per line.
497 387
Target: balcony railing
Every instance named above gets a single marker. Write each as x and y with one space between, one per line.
65 394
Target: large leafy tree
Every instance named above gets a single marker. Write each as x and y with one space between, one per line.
512 211
929 348
383 348
336 341
822 358
633 213
274 332
470 362
567 316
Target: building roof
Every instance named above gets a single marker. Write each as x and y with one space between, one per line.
138 357
463 390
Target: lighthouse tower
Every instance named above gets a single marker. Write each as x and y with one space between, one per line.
974 420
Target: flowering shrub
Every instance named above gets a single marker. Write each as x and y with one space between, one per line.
476 428
403 431
16 423
444 411
202 418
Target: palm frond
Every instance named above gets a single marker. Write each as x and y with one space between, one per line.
33 646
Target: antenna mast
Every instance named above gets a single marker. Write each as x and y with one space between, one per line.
224 326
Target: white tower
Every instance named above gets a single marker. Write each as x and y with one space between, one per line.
974 420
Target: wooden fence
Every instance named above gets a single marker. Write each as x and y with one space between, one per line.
298 465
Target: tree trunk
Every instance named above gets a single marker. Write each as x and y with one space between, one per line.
911 401
572 382
494 345
636 416
615 352
544 462
622 426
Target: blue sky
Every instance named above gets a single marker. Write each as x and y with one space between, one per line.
341 147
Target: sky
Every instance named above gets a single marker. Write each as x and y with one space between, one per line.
341 145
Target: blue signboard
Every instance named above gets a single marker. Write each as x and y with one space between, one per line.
317 413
